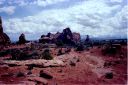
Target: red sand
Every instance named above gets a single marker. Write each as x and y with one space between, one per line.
88 71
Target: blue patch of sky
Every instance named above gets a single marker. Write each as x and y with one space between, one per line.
30 10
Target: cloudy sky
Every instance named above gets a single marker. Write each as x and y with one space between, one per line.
97 18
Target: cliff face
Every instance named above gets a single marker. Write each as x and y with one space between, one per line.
4 39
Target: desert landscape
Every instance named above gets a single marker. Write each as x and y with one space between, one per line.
62 58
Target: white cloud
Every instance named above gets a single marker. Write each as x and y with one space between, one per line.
42 3
116 1
48 2
8 9
91 17
120 19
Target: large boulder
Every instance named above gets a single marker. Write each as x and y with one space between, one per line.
4 39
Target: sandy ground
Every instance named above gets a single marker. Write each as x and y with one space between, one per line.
89 70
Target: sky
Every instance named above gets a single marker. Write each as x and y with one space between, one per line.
97 18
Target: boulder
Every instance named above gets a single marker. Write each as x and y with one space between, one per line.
4 39
109 75
38 80
73 61
45 75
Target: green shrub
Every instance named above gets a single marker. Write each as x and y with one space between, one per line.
60 52
20 74
80 47
59 43
20 55
4 53
46 55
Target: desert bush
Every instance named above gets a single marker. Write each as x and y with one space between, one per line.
46 55
30 67
109 75
80 47
68 50
34 55
110 49
15 54
59 43
60 52
3 53
21 55
20 74
107 64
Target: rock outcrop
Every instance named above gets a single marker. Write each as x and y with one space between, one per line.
4 39
22 39
38 80
67 37
76 37
87 38
36 63
47 38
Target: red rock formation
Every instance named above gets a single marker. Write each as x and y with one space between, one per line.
4 39
22 39
76 37
67 37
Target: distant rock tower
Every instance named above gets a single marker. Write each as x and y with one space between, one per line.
22 39
1 28
87 38
4 39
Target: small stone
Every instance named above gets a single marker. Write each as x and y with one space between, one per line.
45 75
60 71
109 75
20 74
72 63
29 73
